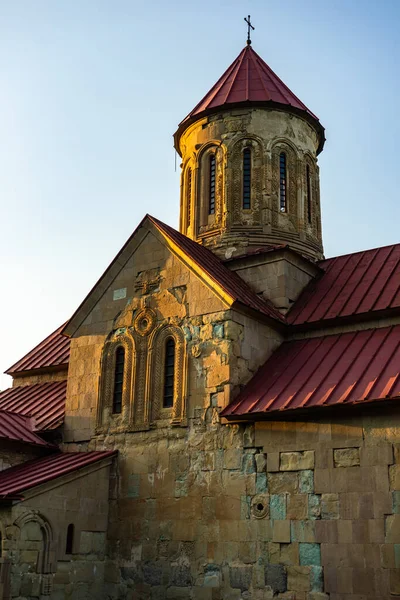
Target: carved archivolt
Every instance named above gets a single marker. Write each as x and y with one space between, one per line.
47 563
155 375
291 184
143 384
313 228
250 216
209 223
105 417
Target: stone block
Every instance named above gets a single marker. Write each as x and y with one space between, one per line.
283 483
261 462
317 596
261 483
240 577
180 575
289 554
306 482
302 531
248 437
346 457
310 554
248 464
297 506
314 506
212 576
232 459
277 506
394 477
281 531
329 506
296 461
317 578
299 579
273 461
152 572
392 529
276 578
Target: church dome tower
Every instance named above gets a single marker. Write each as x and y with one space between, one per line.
249 165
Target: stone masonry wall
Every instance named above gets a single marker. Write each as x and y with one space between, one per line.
334 498
34 540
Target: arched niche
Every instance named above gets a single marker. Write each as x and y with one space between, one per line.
105 416
240 215
157 357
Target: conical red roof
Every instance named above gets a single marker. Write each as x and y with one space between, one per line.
248 80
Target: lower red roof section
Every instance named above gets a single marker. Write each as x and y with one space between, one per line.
15 480
18 428
51 352
333 370
43 401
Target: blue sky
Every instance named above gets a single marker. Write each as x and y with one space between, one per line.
91 93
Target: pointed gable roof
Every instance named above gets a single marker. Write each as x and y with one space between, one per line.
249 80
207 266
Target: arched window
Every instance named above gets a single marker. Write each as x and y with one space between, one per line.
118 380
169 371
189 195
308 184
211 182
282 182
70 539
246 178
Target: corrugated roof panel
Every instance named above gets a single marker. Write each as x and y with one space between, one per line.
214 267
18 428
43 401
52 351
338 369
15 480
353 284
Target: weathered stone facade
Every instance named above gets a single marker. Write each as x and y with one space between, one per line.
194 506
232 230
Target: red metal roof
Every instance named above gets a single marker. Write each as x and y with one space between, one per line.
23 477
213 266
18 427
248 79
340 369
52 351
353 284
43 401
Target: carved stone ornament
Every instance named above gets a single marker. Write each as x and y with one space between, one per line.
145 321
260 506
155 387
196 350
148 281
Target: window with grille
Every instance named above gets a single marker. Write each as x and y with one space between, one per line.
169 369
282 182
246 177
189 196
308 183
118 380
211 194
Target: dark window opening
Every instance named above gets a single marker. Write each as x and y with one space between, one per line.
246 177
189 195
169 369
308 177
70 539
118 380
282 182
211 193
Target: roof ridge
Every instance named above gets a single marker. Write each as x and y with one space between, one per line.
242 292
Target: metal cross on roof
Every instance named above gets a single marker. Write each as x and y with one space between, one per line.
249 26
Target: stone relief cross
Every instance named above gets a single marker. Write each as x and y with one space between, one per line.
249 26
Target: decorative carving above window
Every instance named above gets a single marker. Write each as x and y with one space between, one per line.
145 321
120 339
156 389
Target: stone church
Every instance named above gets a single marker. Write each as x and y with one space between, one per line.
219 419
